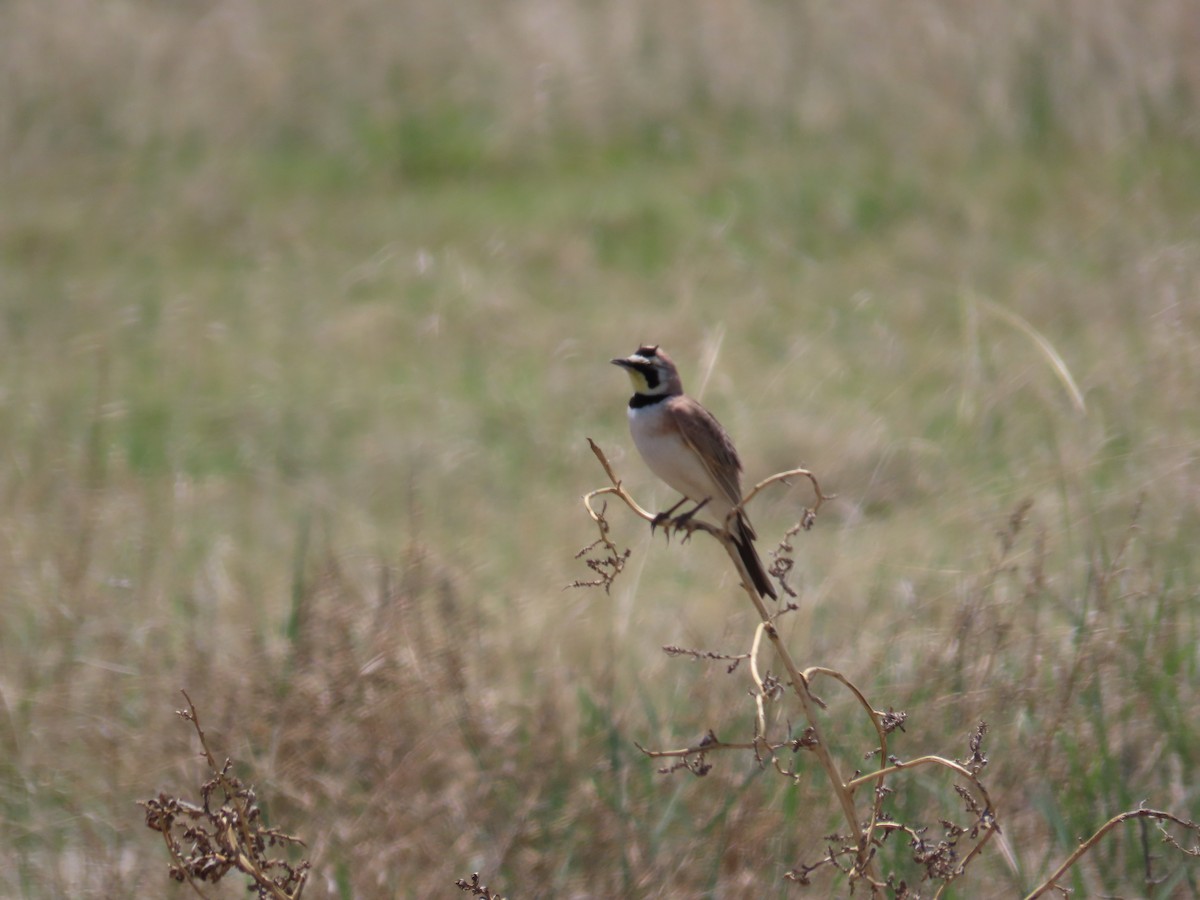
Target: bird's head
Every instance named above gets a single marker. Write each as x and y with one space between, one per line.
651 371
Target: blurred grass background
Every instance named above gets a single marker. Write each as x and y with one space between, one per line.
305 314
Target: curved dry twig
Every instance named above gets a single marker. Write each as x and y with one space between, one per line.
874 714
760 694
917 763
707 744
616 489
784 476
876 720
1051 883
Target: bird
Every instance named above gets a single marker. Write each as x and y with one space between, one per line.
685 446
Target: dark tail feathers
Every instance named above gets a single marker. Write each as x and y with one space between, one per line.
744 541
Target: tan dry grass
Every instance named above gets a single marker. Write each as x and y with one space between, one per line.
224 76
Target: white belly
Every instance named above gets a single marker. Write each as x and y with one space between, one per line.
673 461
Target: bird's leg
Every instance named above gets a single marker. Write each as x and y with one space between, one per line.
684 522
663 517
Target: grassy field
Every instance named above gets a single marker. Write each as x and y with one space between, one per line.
305 318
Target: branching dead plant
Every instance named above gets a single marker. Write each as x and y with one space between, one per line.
476 888
224 833
941 852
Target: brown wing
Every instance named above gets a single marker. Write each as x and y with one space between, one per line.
704 434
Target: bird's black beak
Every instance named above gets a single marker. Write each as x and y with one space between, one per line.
623 363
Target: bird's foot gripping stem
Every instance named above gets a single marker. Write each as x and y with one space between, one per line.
682 522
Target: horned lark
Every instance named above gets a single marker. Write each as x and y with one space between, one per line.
685 446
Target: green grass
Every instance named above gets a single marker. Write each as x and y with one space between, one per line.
381 379
293 407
